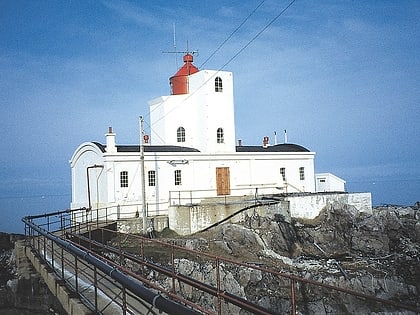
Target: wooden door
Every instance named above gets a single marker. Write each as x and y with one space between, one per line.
223 181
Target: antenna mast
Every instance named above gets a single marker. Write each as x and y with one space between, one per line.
176 60
194 52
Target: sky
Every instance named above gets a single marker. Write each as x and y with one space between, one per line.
342 77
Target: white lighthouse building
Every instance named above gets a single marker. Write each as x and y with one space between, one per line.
191 155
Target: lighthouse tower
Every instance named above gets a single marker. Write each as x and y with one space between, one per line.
198 114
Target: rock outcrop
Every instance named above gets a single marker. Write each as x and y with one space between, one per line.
375 254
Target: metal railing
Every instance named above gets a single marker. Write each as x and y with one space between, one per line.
113 272
103 286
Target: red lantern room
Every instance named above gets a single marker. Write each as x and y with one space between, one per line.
179 82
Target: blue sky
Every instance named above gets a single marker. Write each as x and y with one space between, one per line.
343 77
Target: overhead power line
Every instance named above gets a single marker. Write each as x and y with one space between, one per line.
237 53
230 36
258 34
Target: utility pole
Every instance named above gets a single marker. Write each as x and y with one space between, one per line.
143 182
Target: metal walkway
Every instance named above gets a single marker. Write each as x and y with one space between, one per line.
117 273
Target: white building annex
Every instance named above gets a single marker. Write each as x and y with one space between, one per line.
192 154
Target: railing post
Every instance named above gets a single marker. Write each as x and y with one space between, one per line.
62 224
52 255
173 266
76 274
62 263
142 257
292 296
95 282
97 218
45 248
124 302
219 301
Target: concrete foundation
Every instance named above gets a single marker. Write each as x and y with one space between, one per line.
308 206
135 225
186 220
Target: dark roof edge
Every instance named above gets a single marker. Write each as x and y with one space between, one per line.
283 147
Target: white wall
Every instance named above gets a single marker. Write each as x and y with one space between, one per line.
309 206
201 113
329 182
247 171
87 155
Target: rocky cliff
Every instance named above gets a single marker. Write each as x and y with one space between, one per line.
376 254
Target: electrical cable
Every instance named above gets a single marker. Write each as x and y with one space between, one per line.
230 36
234 56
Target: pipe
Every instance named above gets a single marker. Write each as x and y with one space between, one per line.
88 182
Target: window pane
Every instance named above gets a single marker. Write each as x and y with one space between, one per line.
152 178
220 135
283 173
302 173
218 86
124 179
180 134
178 177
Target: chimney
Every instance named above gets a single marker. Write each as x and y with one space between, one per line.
239 143
266 142
110 141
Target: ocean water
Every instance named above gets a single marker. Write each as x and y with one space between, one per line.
13 209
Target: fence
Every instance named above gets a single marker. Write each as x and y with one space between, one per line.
114 272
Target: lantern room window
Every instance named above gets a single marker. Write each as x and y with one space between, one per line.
218 85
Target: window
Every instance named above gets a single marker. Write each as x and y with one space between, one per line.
283 173
302 173
218 86
220 135
151 176
177 177
180 134
124 179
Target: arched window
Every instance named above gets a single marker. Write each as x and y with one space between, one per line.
218 86
180 134
220 135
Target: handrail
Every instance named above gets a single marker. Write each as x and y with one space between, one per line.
116 272
155 299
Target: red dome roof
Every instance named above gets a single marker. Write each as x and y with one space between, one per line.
179 82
